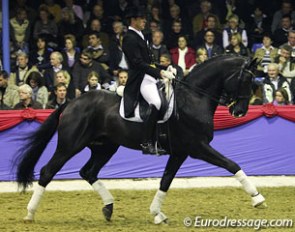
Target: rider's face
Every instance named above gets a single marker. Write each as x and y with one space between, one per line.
139 23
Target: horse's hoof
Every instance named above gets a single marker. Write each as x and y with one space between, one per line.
28 220
108 212
160 218
258 201
263 205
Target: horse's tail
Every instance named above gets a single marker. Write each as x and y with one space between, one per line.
28 157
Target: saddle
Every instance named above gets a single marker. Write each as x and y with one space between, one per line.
166 94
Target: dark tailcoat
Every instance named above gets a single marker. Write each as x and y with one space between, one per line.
139 60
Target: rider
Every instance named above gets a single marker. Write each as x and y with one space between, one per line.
142 77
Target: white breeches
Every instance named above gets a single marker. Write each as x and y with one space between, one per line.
149 91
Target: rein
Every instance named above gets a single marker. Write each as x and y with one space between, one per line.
198 90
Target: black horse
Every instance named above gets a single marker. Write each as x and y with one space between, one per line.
93 121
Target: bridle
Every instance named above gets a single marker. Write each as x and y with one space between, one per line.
232 100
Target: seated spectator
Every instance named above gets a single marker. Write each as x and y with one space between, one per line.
266 54
286 62
95 25
20 29
236 46
30 12
150 29
257 26
40 93
64 77
200 21
165 62
183 55
175 14
157 46
97 13
212 26
291 42
99 52
201 57
239 8
82 68
70 4
273 82
23 69
57 64
120 83
209 44
26 100
286 9
156 16
46 26
118 60
54 9
70 24
256 97
8 92
281 97
60 93
70 53
92 82
233 27
171 39
40 56
280 35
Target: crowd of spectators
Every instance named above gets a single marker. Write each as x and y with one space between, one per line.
62 49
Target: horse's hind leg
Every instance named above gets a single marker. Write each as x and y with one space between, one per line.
171 169
100 155
47 173
212 156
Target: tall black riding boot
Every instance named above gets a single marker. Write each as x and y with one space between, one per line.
148 146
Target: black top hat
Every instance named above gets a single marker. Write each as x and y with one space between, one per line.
135 11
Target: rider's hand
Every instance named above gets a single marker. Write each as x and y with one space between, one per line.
172 69
167 74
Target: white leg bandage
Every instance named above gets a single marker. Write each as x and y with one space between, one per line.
246 183
105 195
35 199
157 202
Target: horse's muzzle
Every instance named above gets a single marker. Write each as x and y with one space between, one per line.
237 111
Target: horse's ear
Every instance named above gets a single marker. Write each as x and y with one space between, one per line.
252 64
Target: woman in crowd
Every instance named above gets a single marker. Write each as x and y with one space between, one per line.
39 90
236 46
183 55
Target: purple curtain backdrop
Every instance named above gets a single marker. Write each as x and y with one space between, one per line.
264 146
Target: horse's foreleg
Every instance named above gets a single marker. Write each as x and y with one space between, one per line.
257 199
171 169
212 156
100 155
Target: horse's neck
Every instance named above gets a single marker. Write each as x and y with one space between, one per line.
208 83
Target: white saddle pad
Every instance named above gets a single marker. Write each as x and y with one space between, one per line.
137 117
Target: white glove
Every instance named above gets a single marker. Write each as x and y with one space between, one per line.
172 69
120 90
169 75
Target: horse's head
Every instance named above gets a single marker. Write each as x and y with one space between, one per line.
239 88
